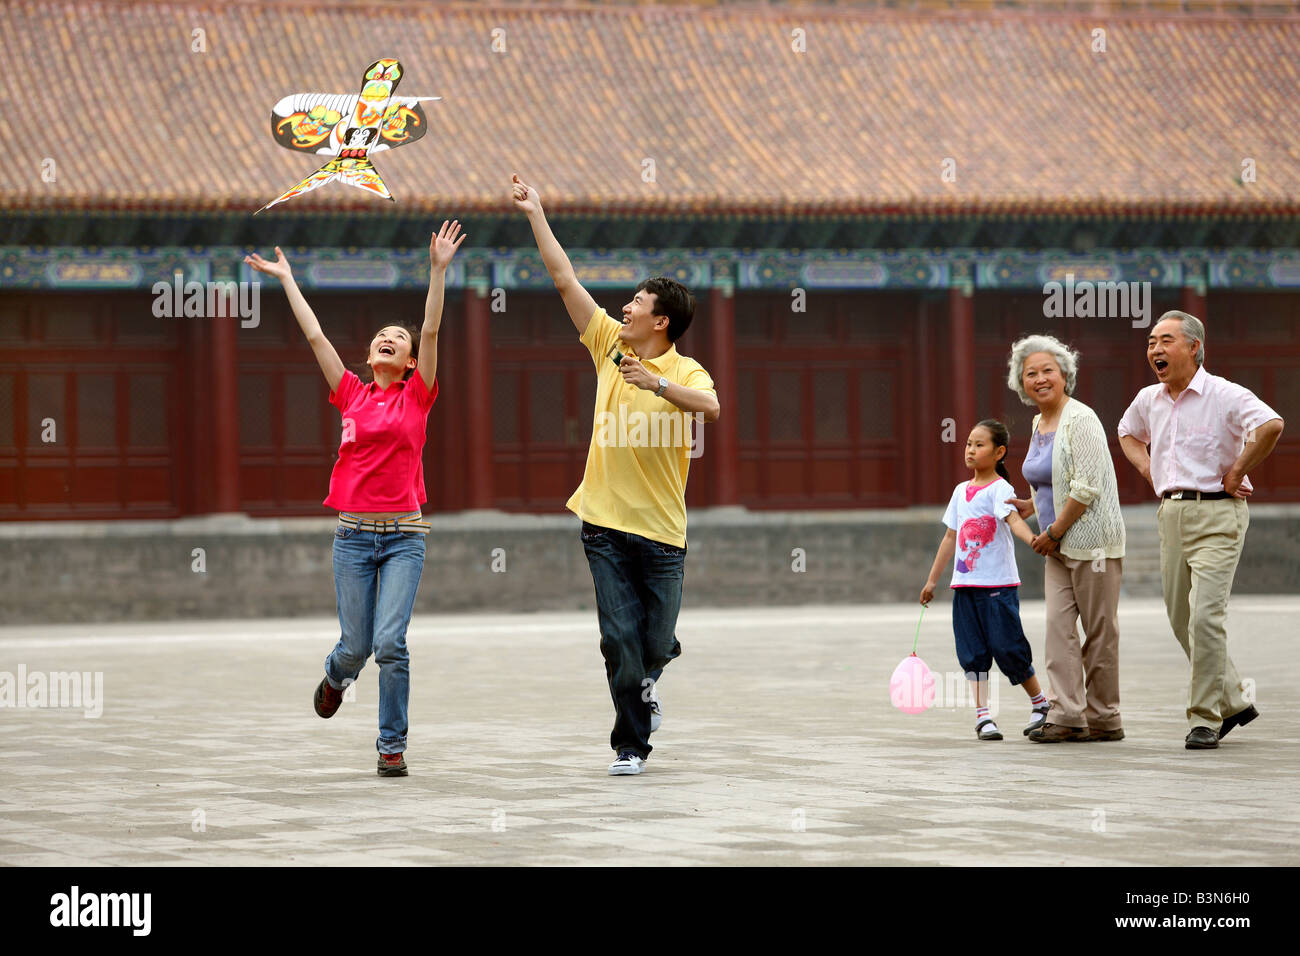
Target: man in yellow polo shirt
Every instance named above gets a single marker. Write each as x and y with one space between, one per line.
632 500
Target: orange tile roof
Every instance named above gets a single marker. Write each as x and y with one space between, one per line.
735 120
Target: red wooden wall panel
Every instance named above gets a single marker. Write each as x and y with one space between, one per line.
838 406
821 423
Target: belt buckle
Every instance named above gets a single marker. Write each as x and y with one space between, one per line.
1177 496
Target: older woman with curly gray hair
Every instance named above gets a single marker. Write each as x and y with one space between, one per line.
1081 533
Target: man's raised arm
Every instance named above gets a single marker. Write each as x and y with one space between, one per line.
577 300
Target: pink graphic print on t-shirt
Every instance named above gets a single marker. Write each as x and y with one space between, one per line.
975 534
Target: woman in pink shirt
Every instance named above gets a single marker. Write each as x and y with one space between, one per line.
377 487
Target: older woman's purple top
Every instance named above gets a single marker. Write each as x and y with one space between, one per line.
1037 470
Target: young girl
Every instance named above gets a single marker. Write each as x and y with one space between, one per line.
985 583
377 487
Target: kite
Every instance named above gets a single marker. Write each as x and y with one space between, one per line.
349 128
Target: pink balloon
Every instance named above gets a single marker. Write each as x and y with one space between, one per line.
911 688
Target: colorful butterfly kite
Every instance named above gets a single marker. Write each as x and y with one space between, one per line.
349 128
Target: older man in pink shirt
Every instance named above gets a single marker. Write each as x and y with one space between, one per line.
1205 433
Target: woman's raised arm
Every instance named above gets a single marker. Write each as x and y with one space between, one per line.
442 247
328 359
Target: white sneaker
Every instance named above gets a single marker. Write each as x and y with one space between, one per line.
627 763
656 711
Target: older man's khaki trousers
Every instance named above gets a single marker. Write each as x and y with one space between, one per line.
1200 545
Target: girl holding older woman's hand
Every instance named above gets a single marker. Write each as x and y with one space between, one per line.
1081 532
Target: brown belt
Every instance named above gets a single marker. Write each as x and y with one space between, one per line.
408 523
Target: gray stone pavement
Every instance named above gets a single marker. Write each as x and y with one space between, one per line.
779 746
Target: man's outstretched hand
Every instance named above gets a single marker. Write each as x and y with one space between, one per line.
525 196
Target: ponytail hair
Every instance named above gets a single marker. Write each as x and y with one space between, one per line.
1001 437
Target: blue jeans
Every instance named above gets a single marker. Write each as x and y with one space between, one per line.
375 579
638 594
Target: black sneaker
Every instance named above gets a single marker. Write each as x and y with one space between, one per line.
326 699
392 765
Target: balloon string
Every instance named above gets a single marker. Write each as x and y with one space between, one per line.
917 639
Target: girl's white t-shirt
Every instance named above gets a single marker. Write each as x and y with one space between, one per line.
986 552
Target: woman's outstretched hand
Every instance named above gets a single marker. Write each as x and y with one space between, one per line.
279 268
444 243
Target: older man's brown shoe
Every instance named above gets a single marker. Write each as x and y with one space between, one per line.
1055 734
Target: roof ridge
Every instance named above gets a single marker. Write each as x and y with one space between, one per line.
1121 10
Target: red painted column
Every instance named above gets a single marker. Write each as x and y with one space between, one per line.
478 398
224 402
722 438
961 353
1192 301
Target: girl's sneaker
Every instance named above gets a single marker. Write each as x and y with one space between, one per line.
1038 717
987 730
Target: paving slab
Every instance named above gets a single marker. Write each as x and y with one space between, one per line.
779 747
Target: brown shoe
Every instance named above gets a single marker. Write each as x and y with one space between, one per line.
1055 733
1101 736
392 765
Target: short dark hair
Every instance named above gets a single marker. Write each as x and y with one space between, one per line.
673 300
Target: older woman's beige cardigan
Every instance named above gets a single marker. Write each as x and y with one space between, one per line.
1082 469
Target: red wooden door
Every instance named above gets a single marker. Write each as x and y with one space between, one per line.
90 407
823 400
543 397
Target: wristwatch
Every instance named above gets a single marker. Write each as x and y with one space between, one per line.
663 387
